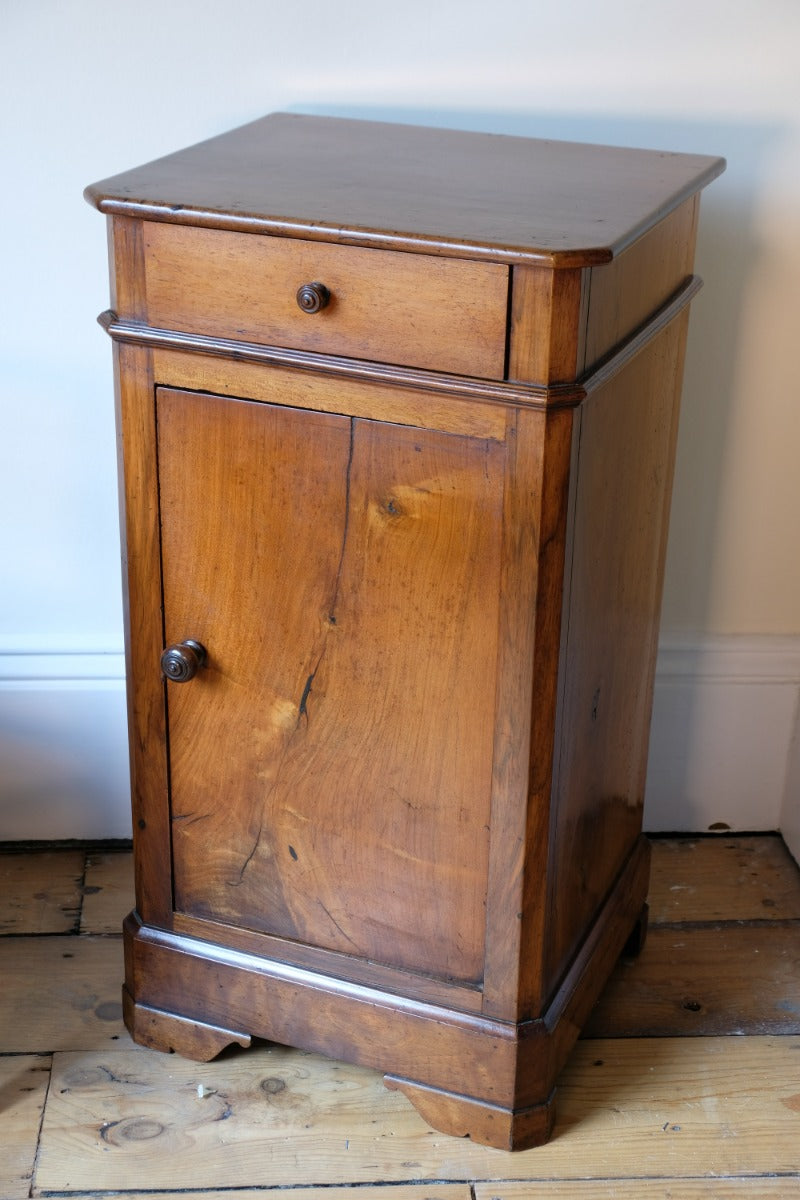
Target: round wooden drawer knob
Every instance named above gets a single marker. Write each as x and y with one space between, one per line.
181 663
312 297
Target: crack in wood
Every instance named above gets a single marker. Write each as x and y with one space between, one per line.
302 708
346 524
333 921
306 693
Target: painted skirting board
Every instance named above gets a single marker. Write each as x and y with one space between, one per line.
724 729
63 743
790 816
724 748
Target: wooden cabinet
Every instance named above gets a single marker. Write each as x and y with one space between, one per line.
397 414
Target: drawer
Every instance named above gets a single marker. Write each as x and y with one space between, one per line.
414 310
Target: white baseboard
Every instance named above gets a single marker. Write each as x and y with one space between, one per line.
724 747
725 719
790 814
63 743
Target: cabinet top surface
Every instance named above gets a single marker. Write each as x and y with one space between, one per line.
413 188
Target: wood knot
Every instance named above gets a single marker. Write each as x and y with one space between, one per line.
273 1085
136 1129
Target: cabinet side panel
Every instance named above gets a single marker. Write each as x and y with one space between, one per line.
625 292
625 466
331 768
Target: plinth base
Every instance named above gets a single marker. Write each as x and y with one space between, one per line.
467 1075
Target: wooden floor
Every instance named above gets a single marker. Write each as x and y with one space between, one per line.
687 1083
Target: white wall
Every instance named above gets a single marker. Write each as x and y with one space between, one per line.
90 88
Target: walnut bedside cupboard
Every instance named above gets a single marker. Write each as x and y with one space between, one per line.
397 412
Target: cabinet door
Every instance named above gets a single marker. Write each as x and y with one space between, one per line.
330 768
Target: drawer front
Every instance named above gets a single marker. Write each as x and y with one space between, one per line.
413 310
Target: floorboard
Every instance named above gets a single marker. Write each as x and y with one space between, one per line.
721 979
777 1188
411 1191
658 1100
41 892
276 1117
24 1081
107 891
60 993
723 879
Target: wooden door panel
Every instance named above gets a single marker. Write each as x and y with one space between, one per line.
331 768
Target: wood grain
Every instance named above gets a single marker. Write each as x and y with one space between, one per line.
136 442
624 293
392 757
40 892
560 443
165 1032
626 456
685 1108
75 1002
460 1117
371 399
108 893
776 1188
413 309
546 324
427 988
723 879
409 1191
423 190
721 979
127 286
374 562
513 715
535 510
729 1095
23 1089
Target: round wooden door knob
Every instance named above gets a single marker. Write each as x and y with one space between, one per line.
181 662
312 297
